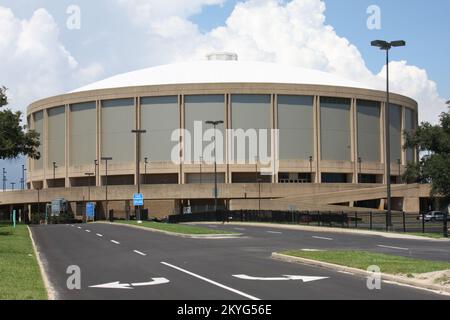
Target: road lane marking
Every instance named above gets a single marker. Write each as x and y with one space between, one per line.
312 250
396 248
240 229
283 278
88 230
138 252
79 227
99 235
211 281
114 241
128 286
323 238
346 272
275 232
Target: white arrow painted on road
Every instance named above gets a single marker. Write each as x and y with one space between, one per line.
113 285
283 278
156 281
118 285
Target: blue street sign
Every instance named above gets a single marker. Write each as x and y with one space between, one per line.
138 199
90 210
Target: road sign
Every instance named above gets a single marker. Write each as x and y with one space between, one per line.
90 210
138 199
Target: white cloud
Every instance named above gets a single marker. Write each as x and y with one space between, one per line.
35 64
291 32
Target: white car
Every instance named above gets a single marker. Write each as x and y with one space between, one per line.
433 216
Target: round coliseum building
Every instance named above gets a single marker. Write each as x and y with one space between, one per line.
330 149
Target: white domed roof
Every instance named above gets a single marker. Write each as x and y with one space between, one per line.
222 71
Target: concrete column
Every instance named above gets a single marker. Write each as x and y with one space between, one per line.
45 148
317 137
276 143
181 178
383 139
98 179
403 140
67 147
411 205
354 140
272 126
137 125
227 137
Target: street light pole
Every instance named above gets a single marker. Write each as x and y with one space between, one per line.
138 167
359 169
145 170
215 124
96 171
54 173
23 177
201 162
106 159
399 162
259 196
4 179
12 186
386 46
311 168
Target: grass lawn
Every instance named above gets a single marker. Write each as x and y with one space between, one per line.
177 228
427 235
20 277
362 260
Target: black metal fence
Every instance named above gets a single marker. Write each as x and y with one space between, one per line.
400 221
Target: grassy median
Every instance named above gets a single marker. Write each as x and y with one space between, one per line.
20 277
389 264
176 228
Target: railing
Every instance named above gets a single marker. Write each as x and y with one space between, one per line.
400 221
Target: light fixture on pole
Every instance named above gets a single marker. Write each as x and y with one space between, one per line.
138 133
215 124
386 46
359 169
106 159
54 173
145 170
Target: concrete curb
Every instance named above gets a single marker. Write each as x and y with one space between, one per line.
393 278
181 235
51 293
330 230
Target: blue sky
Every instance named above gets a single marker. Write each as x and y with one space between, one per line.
116 37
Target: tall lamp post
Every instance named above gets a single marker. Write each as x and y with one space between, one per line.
399 163
4 179
259 196
96 171
89 175
12 186
386 46
215 124
201 163
138 167
145 170
23 177
311 168
54 173
106 159
359 169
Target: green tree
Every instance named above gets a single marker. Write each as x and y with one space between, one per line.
15 139
433 141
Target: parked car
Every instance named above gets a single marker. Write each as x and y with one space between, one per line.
433 216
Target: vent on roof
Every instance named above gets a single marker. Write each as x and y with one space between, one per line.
222 56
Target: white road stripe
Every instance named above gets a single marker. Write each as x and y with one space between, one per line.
79 227
99 235
396 248
211 281
275 232
345 272
138 252
88 230
240 229
114 241
323 238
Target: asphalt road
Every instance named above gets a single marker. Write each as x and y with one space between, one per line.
153 266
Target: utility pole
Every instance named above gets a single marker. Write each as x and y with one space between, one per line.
4 179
